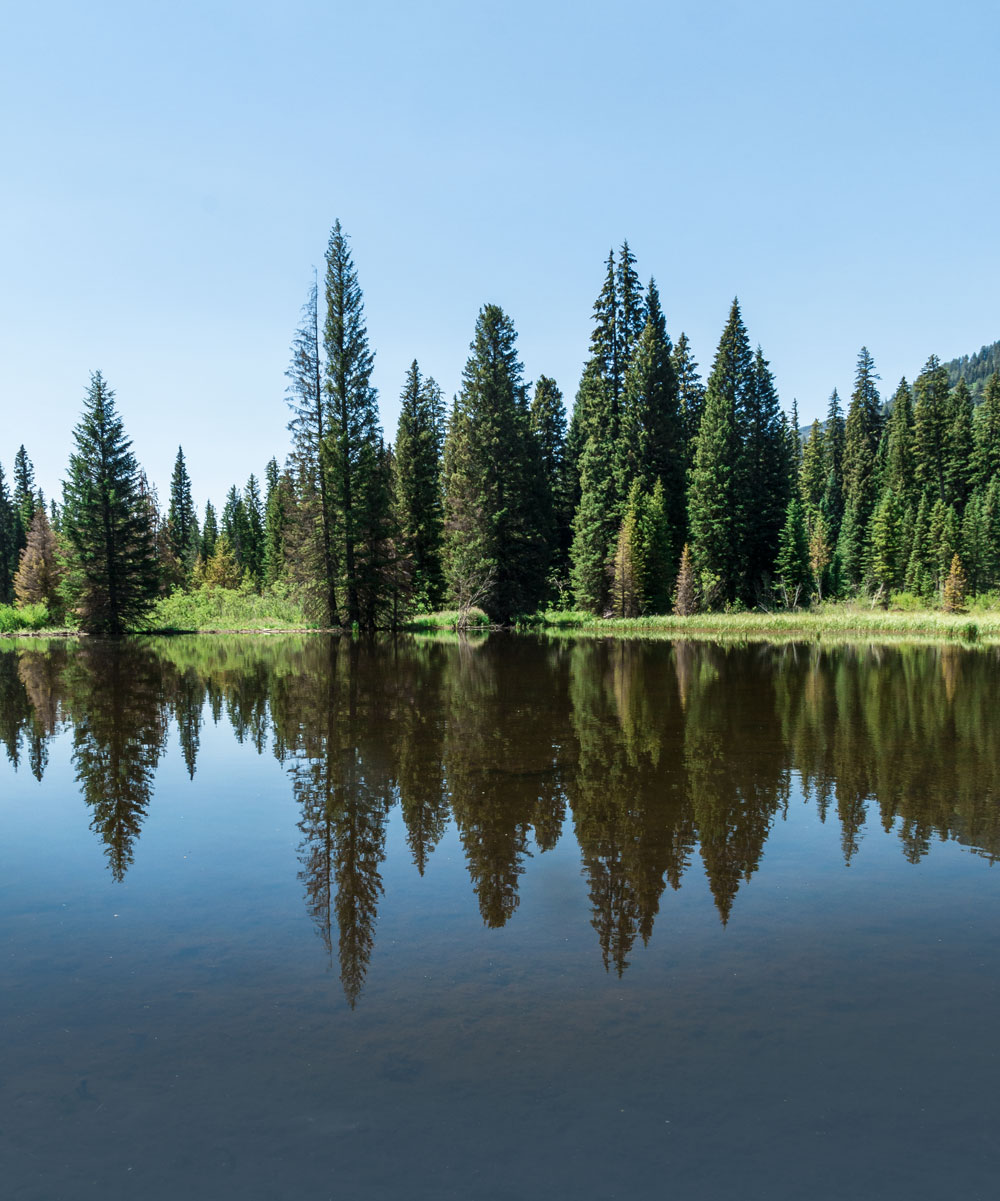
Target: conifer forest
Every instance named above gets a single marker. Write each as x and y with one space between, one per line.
661 491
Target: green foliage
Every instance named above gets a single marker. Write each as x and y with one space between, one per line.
717 491
932 421
418 492
112 580
220 608
182 521
495 548
23 617
792 563
862 433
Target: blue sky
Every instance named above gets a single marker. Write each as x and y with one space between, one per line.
172 171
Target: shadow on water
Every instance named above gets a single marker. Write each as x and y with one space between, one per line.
657 753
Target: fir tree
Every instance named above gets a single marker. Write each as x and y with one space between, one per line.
631 315
812 472
986 454
236 527
862 433
25 500
764 476
887 559
182 521
419 448
278 517
310 427
792 562
954 587
548 428
209 532
690 394
898 460
494 547
834 436
353 454
716 519
593 526
8 544
959 467
253 550
651 443
932 416
113 579
989 566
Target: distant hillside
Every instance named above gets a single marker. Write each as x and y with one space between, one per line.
977 368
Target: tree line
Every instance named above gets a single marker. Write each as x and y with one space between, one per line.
661 492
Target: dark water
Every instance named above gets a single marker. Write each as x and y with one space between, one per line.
305 918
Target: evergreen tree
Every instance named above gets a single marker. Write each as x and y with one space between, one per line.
974 552
764 476
954 587
862 433
651 442
8 543
113 580
898 458
353 453
593 526
236 528
887 558
278 517
812 472
209 532
959 467
920 566
716 520
625 590
989 566
310 426
222 570
791 564
25 500
494 548
834 437
419 448
631 315
690 394
986 454
253 551
548 428
182 521
932 417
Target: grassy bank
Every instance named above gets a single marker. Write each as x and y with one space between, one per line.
836 621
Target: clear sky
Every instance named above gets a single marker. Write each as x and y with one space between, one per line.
171 171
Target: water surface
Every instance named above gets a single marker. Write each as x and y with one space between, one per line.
509 918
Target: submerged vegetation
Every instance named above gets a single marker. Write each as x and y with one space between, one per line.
659 495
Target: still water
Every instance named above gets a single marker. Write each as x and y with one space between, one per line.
502 919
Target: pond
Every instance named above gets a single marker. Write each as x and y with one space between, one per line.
506 918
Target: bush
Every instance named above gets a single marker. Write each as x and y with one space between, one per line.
25 617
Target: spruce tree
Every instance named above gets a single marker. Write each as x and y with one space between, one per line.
685 591
253 551
419 498
862 433
548 428
764 477
959 467
834 436
986 430
352 451
310 426
209 532
494 548
279 513
7 544
716 519
631 315
812 472
236 528
182 521
791 564
25 500
690 394
932 416
113 580
651 444
898 441
886 555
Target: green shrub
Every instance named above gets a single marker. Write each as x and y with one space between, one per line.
24 617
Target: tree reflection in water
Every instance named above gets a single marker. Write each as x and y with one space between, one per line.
657 752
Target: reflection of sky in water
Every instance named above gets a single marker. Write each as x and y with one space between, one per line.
185 1032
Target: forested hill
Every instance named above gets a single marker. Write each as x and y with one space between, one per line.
977 369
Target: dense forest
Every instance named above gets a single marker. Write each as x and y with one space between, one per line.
662 492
